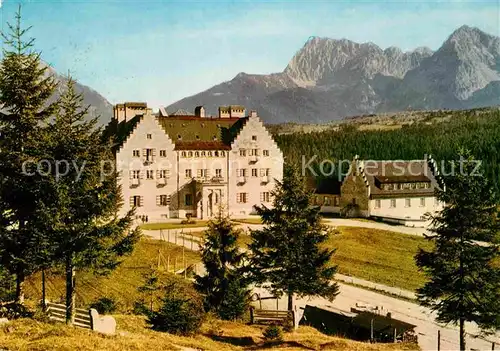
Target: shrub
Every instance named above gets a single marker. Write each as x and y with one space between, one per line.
181 313
105 305
14 311
273 333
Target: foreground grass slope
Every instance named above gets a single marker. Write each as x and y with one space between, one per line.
27 334
379 256
122 283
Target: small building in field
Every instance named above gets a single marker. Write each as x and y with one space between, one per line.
395 191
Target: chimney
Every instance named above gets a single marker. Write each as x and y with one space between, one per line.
119 112
253 113
199 111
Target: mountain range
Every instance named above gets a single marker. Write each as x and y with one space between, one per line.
329 79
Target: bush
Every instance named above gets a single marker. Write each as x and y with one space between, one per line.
273 333
236 301
14 311
105 305
181 313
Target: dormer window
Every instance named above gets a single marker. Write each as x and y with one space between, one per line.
197 137
179 137
196 154
215 138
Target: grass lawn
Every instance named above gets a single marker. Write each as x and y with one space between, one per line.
172 225
133 334
122 283
253 220
379 256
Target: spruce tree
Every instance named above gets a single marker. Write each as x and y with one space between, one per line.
464 276
287 256
223 286
85 198
25 89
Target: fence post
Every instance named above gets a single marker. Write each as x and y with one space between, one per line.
492 346
439 340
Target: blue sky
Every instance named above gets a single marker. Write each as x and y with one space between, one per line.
161 51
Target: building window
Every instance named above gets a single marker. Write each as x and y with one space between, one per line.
254 172
136 153
135 174
149 136
241 198
265 197
183 154
188 199
216 153
163 153
413 185
209 154
149 174
188 173
218 173
327 201
265 152
196 154
265 172
254 137
162 173
377 203
148 154
407 202
422 201
254 152
203 154
202 173
222 154
335 201
393 203
243 152
241 172
136 201
162 200
190 153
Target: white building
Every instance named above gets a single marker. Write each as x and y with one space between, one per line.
393 191
179 164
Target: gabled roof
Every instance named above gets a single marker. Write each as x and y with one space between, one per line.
118 132
383 172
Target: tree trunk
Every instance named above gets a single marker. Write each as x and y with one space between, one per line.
462 335
44 305
290 300
70 291
20 277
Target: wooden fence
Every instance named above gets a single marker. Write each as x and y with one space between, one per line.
57 312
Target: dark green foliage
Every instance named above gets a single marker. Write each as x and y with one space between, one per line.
150 290
7 285
181 312
287 254
25 88
273 333
223 286
478 131
105 305
14 311
464 283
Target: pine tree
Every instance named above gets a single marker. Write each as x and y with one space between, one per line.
286 255
85 198
464 275
24 92
223 286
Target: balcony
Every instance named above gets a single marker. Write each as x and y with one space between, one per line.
148 160
161 181
242 179
253 158
210 180
135 182
264 179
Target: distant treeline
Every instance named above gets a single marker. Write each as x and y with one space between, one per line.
476 130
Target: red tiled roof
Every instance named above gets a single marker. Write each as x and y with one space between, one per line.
201 145
402 179
201 119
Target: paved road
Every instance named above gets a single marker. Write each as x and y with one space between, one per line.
409 312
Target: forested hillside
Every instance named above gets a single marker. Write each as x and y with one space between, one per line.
476 130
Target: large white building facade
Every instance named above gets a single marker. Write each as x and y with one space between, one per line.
174 165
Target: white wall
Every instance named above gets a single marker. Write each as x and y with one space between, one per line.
148 188
401 211
253 185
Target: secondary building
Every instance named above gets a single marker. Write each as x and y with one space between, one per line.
395 191
173 165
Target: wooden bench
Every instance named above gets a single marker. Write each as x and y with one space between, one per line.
270 316
57 312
